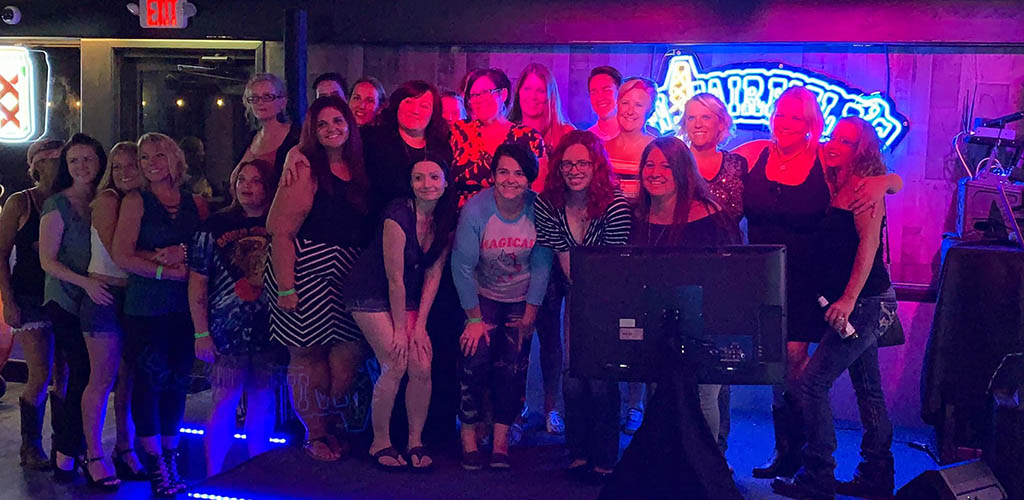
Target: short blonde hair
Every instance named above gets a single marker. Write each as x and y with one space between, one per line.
812 111
645 84
279 88
712 102
167 145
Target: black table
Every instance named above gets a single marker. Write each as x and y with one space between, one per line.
979 318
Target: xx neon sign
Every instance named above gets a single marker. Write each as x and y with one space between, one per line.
22 116
749 90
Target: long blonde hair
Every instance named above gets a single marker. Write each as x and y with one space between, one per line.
178 165
107 181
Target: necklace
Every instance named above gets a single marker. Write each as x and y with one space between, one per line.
784 162
654 243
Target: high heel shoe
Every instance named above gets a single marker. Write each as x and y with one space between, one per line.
64 475
109 483
124 469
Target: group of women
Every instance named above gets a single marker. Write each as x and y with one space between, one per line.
372 196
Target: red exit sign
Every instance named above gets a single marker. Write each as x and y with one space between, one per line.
164 13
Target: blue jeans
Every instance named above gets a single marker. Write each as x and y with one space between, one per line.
871 316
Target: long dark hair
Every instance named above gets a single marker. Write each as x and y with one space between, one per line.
351 153
690 185
438 131
556 122
63 179
603 184
446 212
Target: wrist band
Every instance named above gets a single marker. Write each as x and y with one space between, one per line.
474 320
159 272
202 334
285 293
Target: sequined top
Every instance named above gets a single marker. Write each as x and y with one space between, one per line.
727 185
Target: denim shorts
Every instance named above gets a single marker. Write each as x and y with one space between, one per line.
370 305
103 321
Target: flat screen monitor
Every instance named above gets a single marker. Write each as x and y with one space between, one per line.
724 309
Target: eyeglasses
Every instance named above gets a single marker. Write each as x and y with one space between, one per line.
262 98
477 95
581 165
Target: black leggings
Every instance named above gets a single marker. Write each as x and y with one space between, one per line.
498 367
69 347
162 350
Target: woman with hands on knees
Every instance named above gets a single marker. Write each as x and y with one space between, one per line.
390 293
153 228
501 276
64 255
231 313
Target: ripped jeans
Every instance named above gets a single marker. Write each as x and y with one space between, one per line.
871 316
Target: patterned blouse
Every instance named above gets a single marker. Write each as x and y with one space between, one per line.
471 166
727 185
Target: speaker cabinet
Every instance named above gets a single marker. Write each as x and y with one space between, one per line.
967 481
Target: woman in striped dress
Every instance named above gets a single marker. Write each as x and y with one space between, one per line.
318 225
582 206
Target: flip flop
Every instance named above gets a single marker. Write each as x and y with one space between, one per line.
317 452
389 452
420 453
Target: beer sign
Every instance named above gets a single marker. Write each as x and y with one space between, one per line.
22 94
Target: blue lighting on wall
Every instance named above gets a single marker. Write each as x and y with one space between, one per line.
750 89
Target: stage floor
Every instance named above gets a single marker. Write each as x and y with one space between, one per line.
286 472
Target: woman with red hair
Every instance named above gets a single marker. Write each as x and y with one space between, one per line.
582 206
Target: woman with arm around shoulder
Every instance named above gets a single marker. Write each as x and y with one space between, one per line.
154 226
231 313
501 275
582 206
22 290
390 293
851 275
785 197
318 226
64 255
102 323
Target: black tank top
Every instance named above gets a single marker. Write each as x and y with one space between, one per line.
334 219
836 249
27 277
779 214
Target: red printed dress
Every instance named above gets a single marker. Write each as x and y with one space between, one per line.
471 167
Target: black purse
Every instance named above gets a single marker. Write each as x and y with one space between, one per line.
893 335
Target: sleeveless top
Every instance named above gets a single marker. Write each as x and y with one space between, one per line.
335 220
727 185
27 276
835 251
100 262
73 252
369 280
148 296
779 214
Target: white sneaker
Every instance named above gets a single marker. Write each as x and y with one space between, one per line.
554 423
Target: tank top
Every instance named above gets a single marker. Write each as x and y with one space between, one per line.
100 261
835 251
73 253
779 214
335 220
148 296
27 276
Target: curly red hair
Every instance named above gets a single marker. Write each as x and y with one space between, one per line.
603 184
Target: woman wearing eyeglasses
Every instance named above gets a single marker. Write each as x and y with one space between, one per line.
582 206
265 99
488 95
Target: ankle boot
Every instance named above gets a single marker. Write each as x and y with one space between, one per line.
171 459
32 454
785 460
159 478
869 480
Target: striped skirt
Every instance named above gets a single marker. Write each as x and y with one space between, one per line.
320 318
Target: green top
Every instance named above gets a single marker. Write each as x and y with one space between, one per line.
74 252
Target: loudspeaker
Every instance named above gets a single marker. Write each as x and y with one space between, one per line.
967 481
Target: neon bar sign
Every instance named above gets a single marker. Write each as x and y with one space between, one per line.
22 109
749 90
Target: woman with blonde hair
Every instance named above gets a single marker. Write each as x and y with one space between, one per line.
102 324
706 126
635 106
785 198
265 99
154 227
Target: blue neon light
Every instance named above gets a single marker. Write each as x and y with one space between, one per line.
750 89
200 432
208 496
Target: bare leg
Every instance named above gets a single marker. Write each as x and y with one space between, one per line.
380 333
417 395
220 428
259 419
104 360
37 345
309 380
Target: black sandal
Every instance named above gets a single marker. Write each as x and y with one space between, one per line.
420 453
109 483
124 469
392 453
